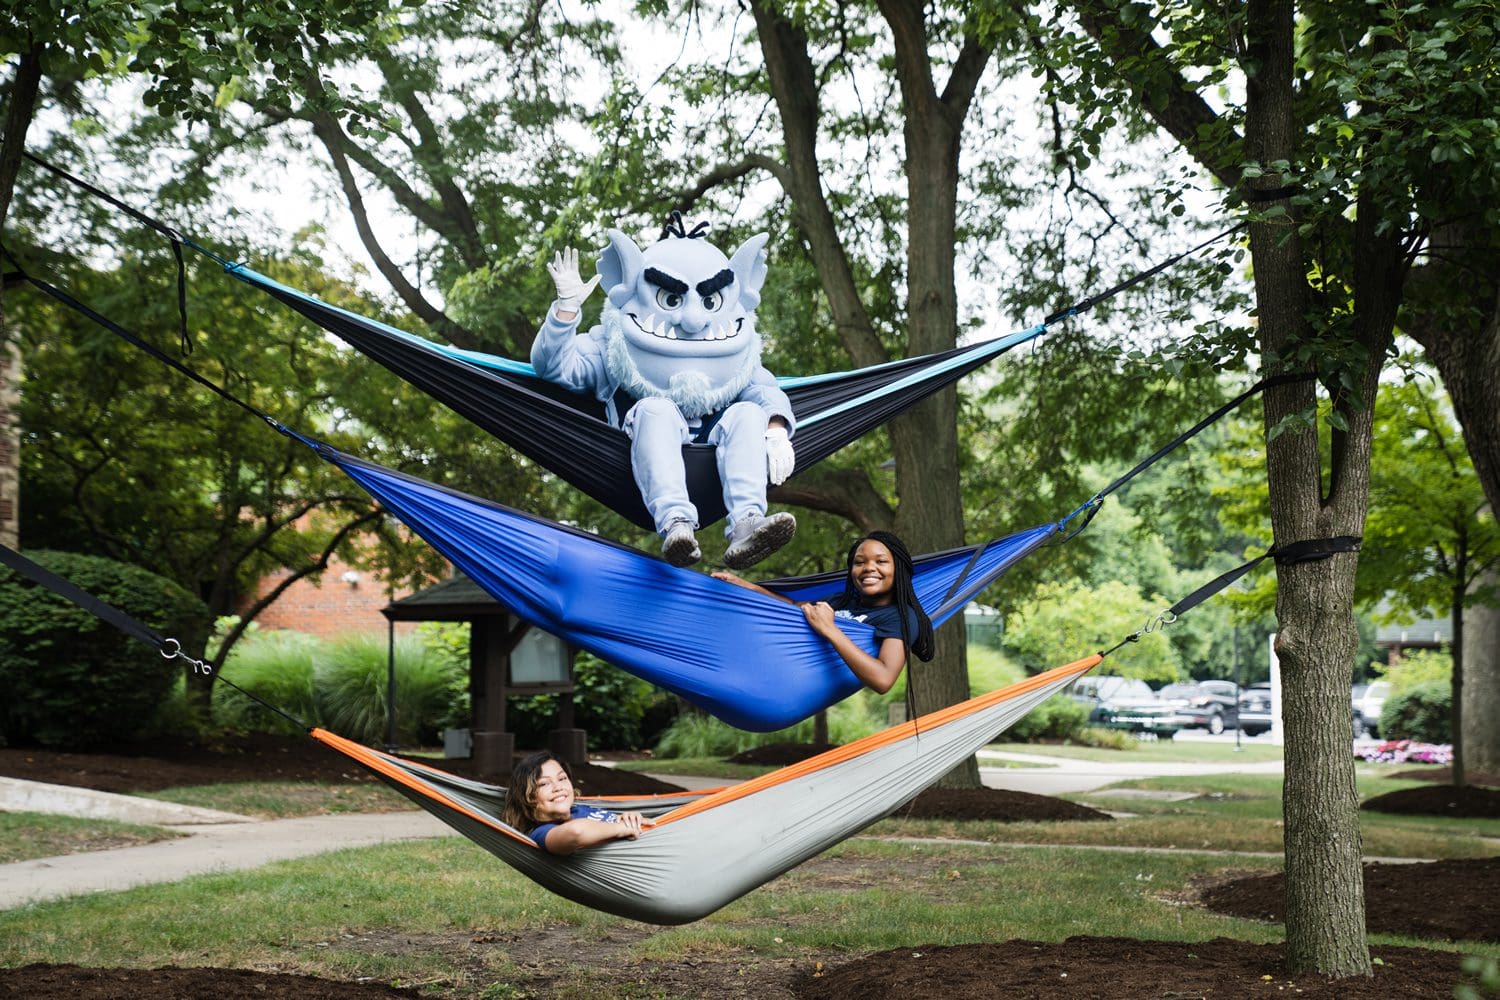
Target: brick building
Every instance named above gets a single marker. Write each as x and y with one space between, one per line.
343 600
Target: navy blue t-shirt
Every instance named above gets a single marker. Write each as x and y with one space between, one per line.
579 811
885 619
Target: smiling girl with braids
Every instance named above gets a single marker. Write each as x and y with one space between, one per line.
878 592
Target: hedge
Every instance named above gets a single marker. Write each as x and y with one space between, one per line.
72 681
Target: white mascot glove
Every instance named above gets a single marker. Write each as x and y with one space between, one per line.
571 288
780 458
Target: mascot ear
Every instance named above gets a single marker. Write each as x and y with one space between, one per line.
619 267
749 267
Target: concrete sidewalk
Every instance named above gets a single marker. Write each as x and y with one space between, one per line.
222 847
1068 775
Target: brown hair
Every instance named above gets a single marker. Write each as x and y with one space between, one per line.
520 795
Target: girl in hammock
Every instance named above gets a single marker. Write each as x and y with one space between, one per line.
878 591
540 801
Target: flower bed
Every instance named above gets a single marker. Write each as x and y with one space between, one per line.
1405 752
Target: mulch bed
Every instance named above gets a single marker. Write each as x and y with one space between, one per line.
69 982
1464 801
994 804
259 757
1452 900
1094 968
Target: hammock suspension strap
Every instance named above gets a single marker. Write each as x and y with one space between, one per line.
1307 550
169 648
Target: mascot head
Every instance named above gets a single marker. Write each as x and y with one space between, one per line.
686 312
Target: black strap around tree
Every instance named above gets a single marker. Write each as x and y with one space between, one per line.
1307 550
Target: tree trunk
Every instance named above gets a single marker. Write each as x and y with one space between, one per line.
20 110
1316 639
1481 689
1457 708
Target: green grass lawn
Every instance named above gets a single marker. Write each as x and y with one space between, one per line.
1151 751
27 835
282 800
1232 812
445 914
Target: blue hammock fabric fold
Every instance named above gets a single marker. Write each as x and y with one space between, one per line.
567 432
743 657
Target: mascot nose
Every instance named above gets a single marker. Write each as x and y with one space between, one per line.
694 317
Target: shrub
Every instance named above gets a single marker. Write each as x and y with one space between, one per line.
351 678
70 680
1423 713
1057 718
276 666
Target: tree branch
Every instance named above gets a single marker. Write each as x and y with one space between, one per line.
845 492
794 86
1170 100
328 131
686 198
318 564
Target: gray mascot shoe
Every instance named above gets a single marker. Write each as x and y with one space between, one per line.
756 537
678 546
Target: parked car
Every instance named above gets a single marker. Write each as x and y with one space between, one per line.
1367 706
1207 705
1125 703
1255 710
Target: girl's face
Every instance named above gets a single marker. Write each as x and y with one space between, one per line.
874 572
553 800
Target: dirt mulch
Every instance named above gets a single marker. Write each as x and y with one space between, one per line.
1466 802
1090 968
61 982
1452 900
259 757
994 804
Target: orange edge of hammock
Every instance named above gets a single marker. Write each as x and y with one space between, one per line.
883 738
380 763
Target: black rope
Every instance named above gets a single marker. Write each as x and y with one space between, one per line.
130 625
151 349
177 239
1262 385
1307 550
1093 300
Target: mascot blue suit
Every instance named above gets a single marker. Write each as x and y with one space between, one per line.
677 337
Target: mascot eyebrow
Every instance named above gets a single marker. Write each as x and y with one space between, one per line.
707 286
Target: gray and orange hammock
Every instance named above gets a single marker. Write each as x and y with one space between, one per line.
568 434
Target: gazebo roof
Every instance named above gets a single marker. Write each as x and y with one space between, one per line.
456 599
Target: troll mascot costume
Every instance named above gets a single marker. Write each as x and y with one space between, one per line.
676 348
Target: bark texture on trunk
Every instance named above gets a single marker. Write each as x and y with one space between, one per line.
20 109
1481 689
929 516
1316 638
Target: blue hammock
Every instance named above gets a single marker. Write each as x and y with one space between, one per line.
743 657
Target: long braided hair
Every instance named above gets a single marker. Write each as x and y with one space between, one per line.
904 596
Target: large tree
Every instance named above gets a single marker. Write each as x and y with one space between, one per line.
1362 130
1430 539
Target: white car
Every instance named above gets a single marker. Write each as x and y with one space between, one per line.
1367 708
